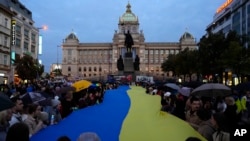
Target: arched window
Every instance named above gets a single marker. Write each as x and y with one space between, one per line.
100 69
84 69
69 68
95 69
80 69
89 68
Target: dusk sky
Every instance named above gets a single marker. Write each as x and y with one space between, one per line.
96 20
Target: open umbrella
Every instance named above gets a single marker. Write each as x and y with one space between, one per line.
185 91
81 85
172 86
33 97
212 90
5 102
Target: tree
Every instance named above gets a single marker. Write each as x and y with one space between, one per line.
169 64
28 68
210 49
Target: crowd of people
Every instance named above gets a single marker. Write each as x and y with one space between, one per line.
27 117
215 118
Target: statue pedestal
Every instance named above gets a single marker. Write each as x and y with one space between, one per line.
128 55
120 73
128 64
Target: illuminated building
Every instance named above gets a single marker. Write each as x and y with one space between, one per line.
19 37
97 60
232 15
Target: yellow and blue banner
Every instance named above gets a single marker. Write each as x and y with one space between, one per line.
126 114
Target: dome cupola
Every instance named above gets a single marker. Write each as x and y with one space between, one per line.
128 16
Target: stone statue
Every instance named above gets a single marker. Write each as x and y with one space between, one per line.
120 65
137 63
128 41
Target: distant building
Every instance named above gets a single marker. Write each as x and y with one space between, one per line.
18 36
97 60
232 15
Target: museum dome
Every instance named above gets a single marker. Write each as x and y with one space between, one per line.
71 36
187 35
128 16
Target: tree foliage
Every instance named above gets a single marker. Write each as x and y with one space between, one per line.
216 54
28 68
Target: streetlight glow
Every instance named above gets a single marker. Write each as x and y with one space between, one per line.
44 27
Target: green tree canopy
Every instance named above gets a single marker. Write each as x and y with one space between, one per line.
28 68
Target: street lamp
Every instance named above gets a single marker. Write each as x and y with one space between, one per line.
44 27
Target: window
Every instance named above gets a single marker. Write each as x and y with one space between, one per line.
156 51
80 69
33 48
167 51
26 33
18 29
25 47
5 59
18 43
33 38
95 69
161 51
89 68
171 51
84 69
177 51
69 51
5 43
69 68
6 22
151 51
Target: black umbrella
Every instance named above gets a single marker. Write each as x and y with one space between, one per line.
5 102
33 97
212 90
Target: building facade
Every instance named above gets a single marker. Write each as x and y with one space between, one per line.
97 60
18 36
232 15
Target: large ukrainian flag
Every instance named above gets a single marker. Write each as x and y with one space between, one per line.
127 114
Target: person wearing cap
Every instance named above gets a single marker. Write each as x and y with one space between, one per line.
165 102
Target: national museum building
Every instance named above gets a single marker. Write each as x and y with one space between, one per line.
97 60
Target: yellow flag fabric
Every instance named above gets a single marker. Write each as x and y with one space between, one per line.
145 121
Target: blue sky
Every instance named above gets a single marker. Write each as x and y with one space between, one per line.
96 20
